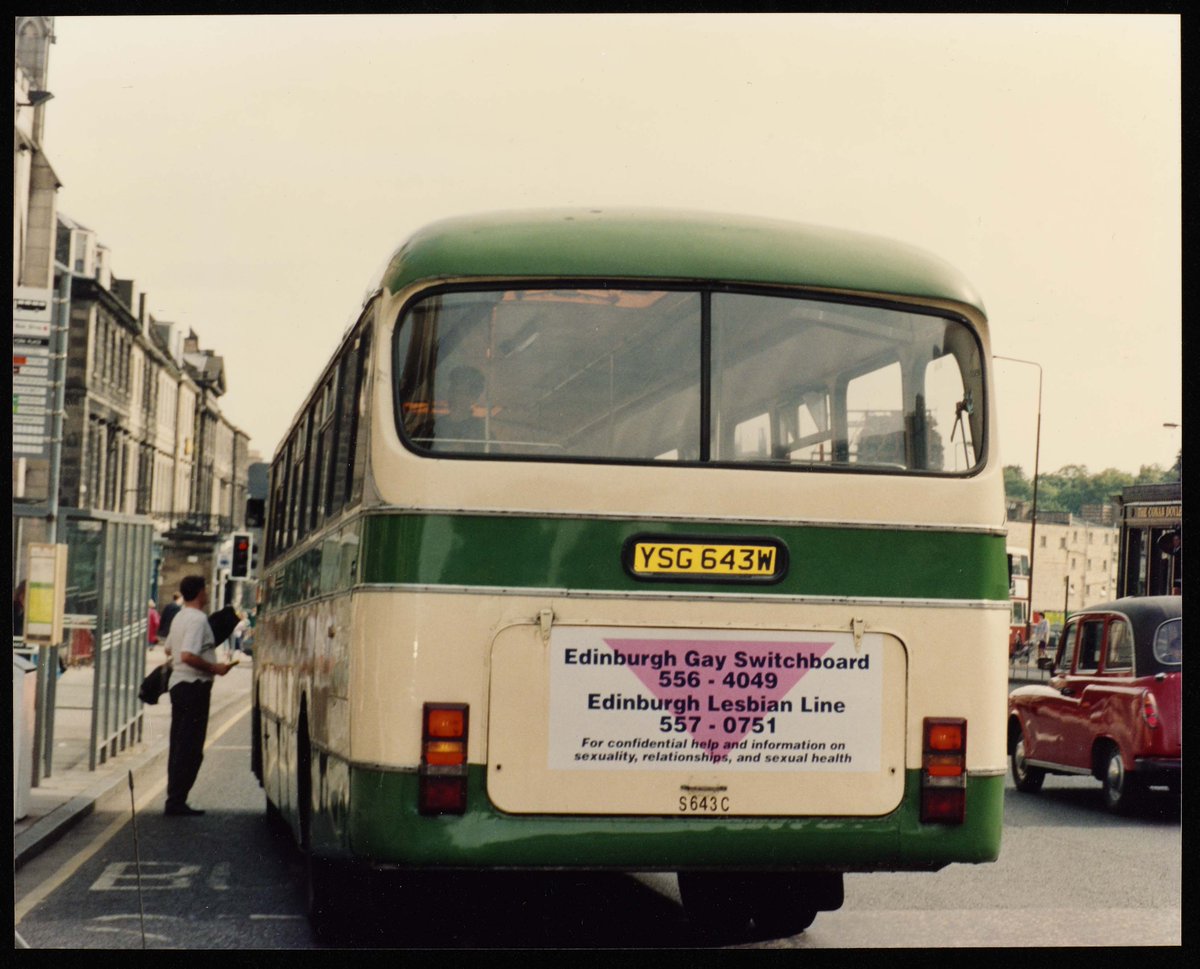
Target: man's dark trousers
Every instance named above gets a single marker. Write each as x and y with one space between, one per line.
189 725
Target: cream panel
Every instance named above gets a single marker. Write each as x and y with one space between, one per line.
414 648
521 781
426 646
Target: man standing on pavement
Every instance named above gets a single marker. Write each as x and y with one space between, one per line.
190 644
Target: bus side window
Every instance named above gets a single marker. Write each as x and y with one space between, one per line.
289 494
321 458
308 462
275 505
340 478
356 466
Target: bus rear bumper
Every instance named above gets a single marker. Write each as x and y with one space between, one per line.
382 828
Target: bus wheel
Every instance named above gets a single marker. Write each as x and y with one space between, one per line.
760 904
256 743
1121 788
1026 778
715 903
276 822
329 893
785 904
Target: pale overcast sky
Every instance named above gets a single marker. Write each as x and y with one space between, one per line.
250 173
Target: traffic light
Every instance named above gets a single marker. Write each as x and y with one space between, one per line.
241 556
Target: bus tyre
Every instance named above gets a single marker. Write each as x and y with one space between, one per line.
329 893
1026 778
1121 787
256 743
782 904
759 904
274 816
715 903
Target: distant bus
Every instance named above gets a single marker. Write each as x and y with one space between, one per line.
1150 560
646 542
1018 593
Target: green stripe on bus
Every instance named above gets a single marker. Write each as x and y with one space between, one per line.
383 826
585 555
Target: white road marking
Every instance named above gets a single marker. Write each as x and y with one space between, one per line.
122 876
219 878
41 891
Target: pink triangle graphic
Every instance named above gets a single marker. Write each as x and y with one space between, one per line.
712 694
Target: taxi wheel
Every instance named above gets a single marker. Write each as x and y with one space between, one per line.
1027 779
1121 787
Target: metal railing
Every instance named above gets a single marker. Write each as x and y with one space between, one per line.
109 565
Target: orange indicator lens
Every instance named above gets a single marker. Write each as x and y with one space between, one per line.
943 766
945 736
442 753
445 723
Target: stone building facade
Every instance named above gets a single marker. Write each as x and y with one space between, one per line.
1074 559
143 434
143 429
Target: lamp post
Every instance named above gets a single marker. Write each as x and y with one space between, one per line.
1037 449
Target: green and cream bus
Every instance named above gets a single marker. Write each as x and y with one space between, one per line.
642 541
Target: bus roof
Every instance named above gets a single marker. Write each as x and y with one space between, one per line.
671 245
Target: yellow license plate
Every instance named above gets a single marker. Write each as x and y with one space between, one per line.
757 560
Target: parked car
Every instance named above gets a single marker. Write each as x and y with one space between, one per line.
1112 707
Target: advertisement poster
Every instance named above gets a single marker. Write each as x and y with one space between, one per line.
704 699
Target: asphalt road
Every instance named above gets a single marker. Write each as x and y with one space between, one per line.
1069 875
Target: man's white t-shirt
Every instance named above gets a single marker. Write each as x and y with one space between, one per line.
190 633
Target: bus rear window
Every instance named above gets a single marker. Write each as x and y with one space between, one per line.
622 374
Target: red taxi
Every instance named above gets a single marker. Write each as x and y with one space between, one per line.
1113 705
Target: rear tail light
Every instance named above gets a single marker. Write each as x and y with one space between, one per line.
1150 710
944 771
442 778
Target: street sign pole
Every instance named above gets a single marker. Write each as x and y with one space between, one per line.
58 366
47 671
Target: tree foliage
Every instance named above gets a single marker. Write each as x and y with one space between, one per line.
1016 485
1073 486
